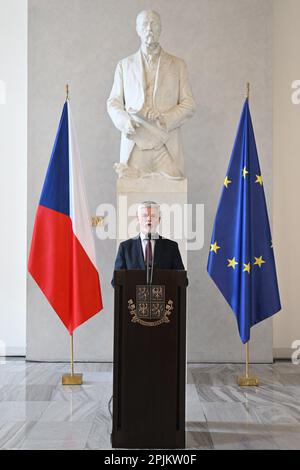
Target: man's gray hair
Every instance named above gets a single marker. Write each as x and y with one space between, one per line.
148 205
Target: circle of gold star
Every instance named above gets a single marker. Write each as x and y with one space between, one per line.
214 247
259 179
227 182
247 268
245 172
232 263
259 261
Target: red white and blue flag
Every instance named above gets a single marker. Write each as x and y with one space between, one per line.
62 255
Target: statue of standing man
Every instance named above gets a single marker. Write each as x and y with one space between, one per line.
150 99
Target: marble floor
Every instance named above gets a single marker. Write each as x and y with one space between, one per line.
37 412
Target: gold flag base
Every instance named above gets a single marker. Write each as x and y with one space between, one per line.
71 379
248 381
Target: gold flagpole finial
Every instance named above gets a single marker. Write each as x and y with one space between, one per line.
67 92
248 90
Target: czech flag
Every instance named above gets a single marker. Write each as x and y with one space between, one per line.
62 255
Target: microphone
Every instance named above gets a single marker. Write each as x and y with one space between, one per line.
149 265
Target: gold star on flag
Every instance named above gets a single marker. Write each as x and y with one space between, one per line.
227 182
259 261
214 247
245 172
247 268
232 263
259 179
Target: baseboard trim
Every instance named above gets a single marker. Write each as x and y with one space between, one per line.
283 353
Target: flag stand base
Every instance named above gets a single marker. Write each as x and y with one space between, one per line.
71 379
248 381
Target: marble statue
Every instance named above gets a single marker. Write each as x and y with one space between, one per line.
150 99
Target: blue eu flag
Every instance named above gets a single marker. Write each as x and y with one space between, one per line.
241 259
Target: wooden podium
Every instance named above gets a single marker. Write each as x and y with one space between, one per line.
149 360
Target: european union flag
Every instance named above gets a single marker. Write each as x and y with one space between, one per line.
241 259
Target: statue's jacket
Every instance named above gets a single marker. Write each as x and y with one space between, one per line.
172 98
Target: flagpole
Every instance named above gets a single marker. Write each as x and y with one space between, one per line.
248 90
247 360
72 355
246 380
71 379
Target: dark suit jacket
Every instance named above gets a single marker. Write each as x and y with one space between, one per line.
166 255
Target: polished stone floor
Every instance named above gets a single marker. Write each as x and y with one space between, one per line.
37 412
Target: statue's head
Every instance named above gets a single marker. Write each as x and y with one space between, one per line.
148 27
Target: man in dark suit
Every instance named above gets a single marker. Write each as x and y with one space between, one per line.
148 246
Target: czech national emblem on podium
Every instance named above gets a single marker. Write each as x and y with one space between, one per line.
150 308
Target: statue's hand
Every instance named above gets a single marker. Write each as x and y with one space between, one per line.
152 115
130 128
161 122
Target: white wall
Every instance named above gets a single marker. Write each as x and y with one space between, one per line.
13 175
13 158
286 198
225 43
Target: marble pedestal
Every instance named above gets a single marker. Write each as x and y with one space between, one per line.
172 197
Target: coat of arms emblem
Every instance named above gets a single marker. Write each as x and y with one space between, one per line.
150 308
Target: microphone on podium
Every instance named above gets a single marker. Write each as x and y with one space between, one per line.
149 258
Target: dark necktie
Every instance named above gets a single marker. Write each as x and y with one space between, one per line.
148 252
